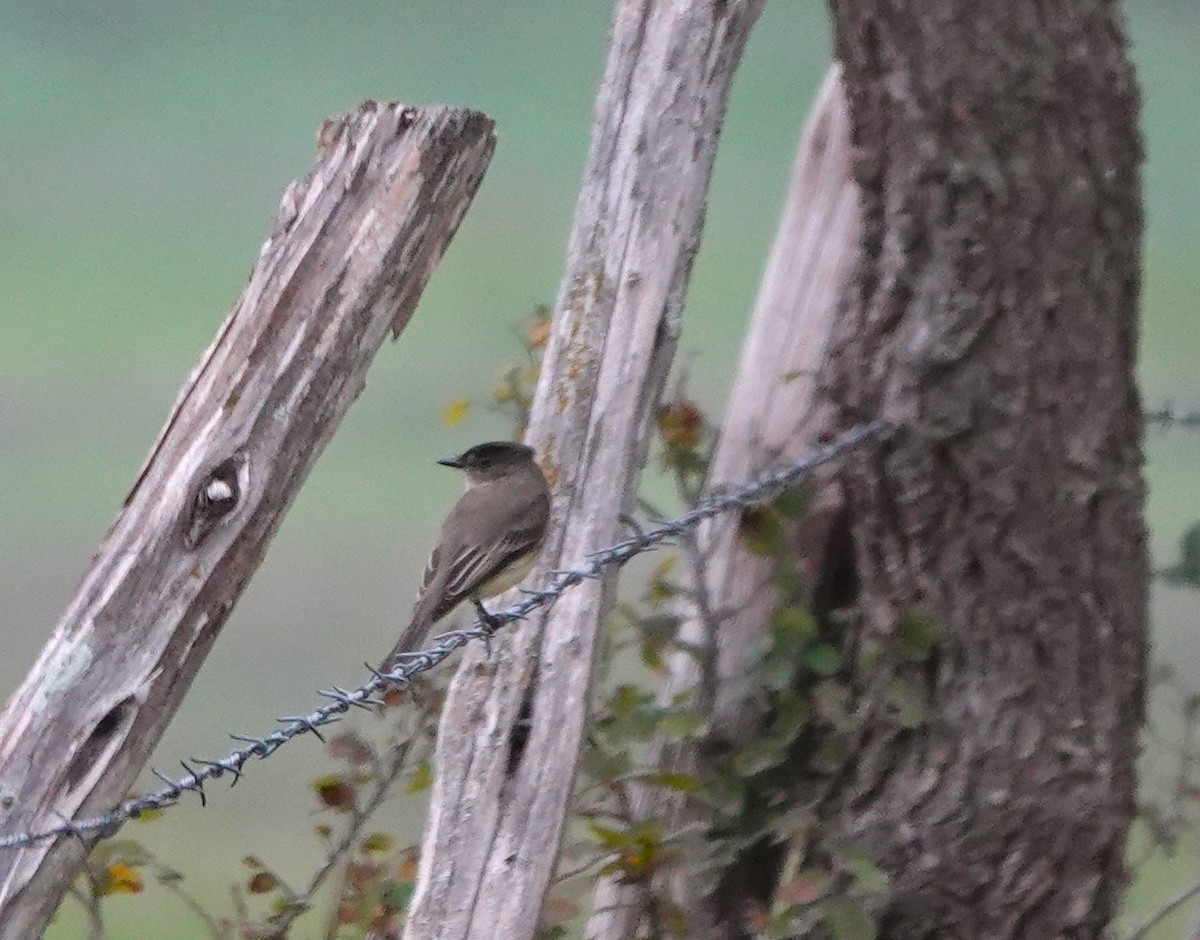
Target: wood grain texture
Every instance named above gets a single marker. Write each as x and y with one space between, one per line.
352 248
774 414
498 810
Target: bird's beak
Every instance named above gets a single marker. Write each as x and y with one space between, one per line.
454 462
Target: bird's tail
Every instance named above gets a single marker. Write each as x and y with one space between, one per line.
410 638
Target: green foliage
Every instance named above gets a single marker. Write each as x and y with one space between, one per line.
687 439
820 682
115 867
374 877
916 636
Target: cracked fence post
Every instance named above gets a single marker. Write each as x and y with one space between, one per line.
774 413
498 808
352 248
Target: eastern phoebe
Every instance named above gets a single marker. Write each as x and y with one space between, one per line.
490 539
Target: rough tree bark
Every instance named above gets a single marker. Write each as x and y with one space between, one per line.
351 251
993 322
773 414
499 800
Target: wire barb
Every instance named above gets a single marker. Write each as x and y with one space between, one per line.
407 665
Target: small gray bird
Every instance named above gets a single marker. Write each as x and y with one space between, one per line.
490 539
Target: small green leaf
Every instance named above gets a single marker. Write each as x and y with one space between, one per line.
761 532
396 894
792 923
793 625
626 699
917 636
788 580
758 756
610 836
725 792
908 707
638 725
665 567
378 842
777 668
660 589
846 920
420 778
675 920
791 715
652 655
681 723
793 823
684 783
791 503
600 764
868 877
823 659
870 654
659 626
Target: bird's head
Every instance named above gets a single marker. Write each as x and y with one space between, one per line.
491 461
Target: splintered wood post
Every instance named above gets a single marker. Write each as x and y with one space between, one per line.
352 248
776 413
773 415
500 799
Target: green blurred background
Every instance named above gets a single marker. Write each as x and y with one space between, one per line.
147 145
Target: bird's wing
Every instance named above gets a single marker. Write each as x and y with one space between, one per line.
431 567
505 530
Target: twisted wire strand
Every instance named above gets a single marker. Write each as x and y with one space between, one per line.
1169 416
198 772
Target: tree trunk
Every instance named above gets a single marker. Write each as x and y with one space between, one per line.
773 414
993 322
501 794
352 249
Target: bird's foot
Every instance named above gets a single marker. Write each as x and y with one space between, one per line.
491 623
489 620
632 525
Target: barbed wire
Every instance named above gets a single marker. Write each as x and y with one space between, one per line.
1168 416
198 772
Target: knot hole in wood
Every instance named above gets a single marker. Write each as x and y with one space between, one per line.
218 494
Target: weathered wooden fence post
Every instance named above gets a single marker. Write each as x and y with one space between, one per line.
498 810
353 246
773 414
